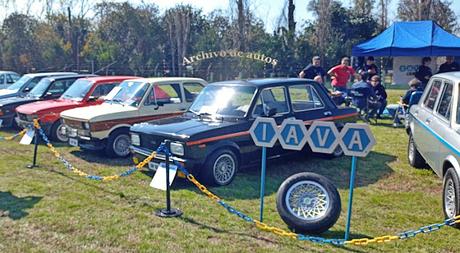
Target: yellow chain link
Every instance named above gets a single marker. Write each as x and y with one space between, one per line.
202 188
20 134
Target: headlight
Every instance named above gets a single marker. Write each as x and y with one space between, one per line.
86 125
135 139
177 148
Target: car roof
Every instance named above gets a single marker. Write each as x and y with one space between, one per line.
7 72
50 74
170 79
78 76
265 82
109 78
454 76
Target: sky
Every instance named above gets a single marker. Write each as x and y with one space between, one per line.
268 11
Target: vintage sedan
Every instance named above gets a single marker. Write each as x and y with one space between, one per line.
27 82
83 92
212 137
106 126
47 89
434 135
7 78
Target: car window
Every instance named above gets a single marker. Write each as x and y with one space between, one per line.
165 94
192 90
304 97
275 98
13 77
33 82
60 86
446 100
103 89
2 79
9 79
430 100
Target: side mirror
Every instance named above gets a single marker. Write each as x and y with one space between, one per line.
27 89
175 100
48 95
93 98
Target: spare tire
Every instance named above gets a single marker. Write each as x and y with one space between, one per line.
308 203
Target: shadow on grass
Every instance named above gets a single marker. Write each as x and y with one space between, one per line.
14 207
100 158
259 236
247 182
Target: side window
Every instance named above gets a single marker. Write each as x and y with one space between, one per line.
275 98
103 89
34 82
445 102
430 100
192 90
2 79
14 77
165 94
304 97
58 87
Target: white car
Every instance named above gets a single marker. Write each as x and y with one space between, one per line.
7 78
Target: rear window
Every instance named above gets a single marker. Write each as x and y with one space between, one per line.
435 89
446 100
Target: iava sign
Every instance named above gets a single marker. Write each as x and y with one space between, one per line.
264 132
323 137
356 139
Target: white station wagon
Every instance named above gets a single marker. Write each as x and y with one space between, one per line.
106 126
434 135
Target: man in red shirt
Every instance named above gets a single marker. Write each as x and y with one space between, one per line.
341 74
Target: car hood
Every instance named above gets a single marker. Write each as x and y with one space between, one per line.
17 100
100 112
181 127
48 105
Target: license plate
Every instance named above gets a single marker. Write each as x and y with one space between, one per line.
73 142
153 166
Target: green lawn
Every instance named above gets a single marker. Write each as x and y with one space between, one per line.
49 209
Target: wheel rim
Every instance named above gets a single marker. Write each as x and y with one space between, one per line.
307 200
224 169
411 150
450 198
61 137
121 145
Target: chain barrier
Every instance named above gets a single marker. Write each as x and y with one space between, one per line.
78 172
12 137
260 225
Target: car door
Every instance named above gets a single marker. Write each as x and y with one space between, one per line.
306 102
163 98
442 126
272 98
425 140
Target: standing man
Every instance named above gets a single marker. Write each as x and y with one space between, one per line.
369 69
424 73
341 74
449 65
313 70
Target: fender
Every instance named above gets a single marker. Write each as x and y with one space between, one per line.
452 160
224 143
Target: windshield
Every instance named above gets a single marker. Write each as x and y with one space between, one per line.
216 100
127 93
40 88
19 83
78 90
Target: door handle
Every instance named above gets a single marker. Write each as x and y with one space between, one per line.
428 121
327 113
416 113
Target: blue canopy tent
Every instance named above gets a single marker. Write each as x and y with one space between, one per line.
416 38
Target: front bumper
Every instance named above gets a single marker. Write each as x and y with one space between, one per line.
7 120
85 141
28 124
142 153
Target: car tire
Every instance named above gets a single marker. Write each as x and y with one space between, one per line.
220 167
322 190
413 156
118 144
451 195
56 132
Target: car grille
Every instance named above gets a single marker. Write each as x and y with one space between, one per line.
151 142
74 124
22 116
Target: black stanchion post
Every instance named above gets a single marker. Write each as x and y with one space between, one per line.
168 212
34 162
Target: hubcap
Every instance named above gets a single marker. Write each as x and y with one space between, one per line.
224 169
450 199
307 200
121 145
61 137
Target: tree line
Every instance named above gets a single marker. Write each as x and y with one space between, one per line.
123 38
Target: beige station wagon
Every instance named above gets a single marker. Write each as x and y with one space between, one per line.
106 126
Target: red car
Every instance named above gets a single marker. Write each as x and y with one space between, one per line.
83 92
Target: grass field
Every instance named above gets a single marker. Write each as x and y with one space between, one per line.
49 209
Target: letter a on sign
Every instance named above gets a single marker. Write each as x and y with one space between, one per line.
292 135
356 140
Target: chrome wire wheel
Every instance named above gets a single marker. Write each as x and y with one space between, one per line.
307 200
450 198
121 145
224 169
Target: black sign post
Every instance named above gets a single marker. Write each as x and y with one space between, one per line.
34 162
168 212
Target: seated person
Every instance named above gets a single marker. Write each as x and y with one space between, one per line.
414 85
363 97
380 94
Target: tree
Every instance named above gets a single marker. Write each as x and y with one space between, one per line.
437 10
383 14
